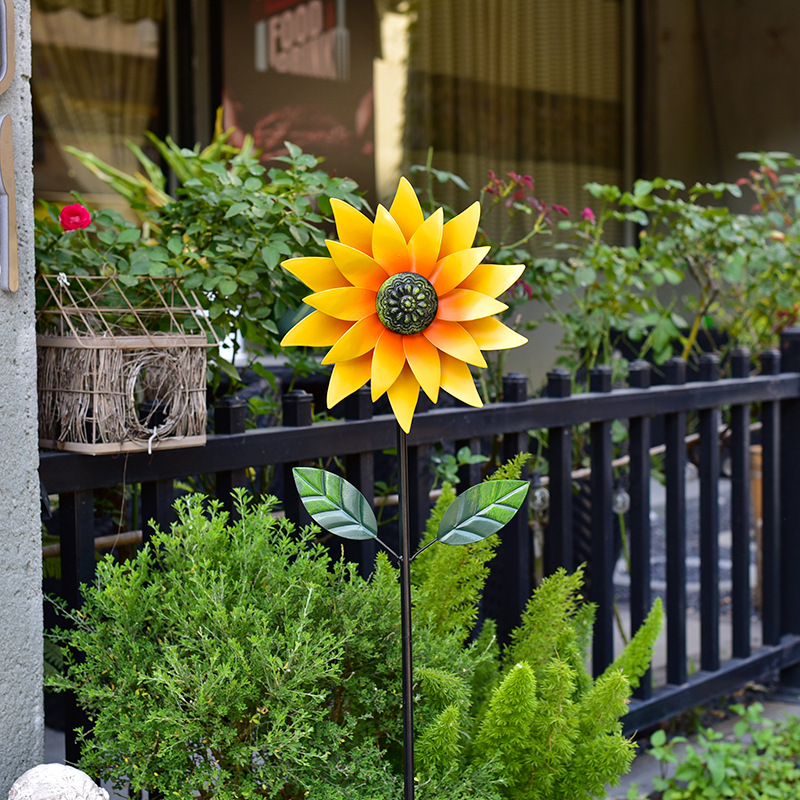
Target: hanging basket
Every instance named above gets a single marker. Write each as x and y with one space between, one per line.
122 366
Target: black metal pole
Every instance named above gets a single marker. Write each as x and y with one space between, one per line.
405 620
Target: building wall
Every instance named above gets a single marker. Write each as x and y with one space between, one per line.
21 716
720 78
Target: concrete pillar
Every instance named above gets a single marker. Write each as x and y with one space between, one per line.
21 715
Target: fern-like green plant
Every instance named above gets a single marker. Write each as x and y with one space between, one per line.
535 717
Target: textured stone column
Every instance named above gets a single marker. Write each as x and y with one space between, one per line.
21 716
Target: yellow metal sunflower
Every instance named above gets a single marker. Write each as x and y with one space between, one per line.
404 303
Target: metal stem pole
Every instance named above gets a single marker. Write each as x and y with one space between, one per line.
405 620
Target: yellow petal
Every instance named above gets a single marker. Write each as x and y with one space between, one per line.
493 279
457 380
389 246
359 339
358 268
454 340
491 334
461 304
405 209
387 362
348 376
459 233
403 395
352 227
455 268
315 330
423 358
317 273
424 245
349 302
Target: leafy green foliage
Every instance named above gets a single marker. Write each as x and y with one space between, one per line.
652 266
448 581
446 465
763 760
697 264
226 230
208 660
234 659
233 223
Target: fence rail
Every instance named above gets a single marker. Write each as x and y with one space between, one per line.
774 393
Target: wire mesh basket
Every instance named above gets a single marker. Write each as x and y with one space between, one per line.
121 363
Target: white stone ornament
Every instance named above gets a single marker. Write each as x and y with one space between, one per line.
56 782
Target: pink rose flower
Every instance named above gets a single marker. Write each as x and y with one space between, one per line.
587 215
74 217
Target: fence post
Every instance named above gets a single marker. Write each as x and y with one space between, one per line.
158 498
639 376
740 512
675 473
469 474
708 428
297 408
558 540
790 500
770 578
229 418
509 586
601 586
360 469
76 516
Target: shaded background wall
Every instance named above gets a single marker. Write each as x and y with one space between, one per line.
717 77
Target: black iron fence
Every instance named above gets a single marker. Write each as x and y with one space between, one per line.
707 405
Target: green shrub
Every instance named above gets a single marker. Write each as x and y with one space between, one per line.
236 659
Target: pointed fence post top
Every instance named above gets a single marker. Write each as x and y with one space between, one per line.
639 374
601 378
297 408
790 350
515 387
559 383
675 371
770 361
709 367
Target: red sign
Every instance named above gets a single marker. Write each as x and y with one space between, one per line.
301 71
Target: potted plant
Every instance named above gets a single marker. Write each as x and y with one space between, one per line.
224 231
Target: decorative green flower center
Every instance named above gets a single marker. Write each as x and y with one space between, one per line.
406 303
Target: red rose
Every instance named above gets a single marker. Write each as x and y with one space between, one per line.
74 217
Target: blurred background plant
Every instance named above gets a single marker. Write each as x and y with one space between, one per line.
512 219
224 229
697 275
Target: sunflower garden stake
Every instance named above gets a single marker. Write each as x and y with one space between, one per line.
404 303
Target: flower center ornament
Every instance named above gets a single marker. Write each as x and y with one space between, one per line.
407 303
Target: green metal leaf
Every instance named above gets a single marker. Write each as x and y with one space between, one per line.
335 504
481 511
